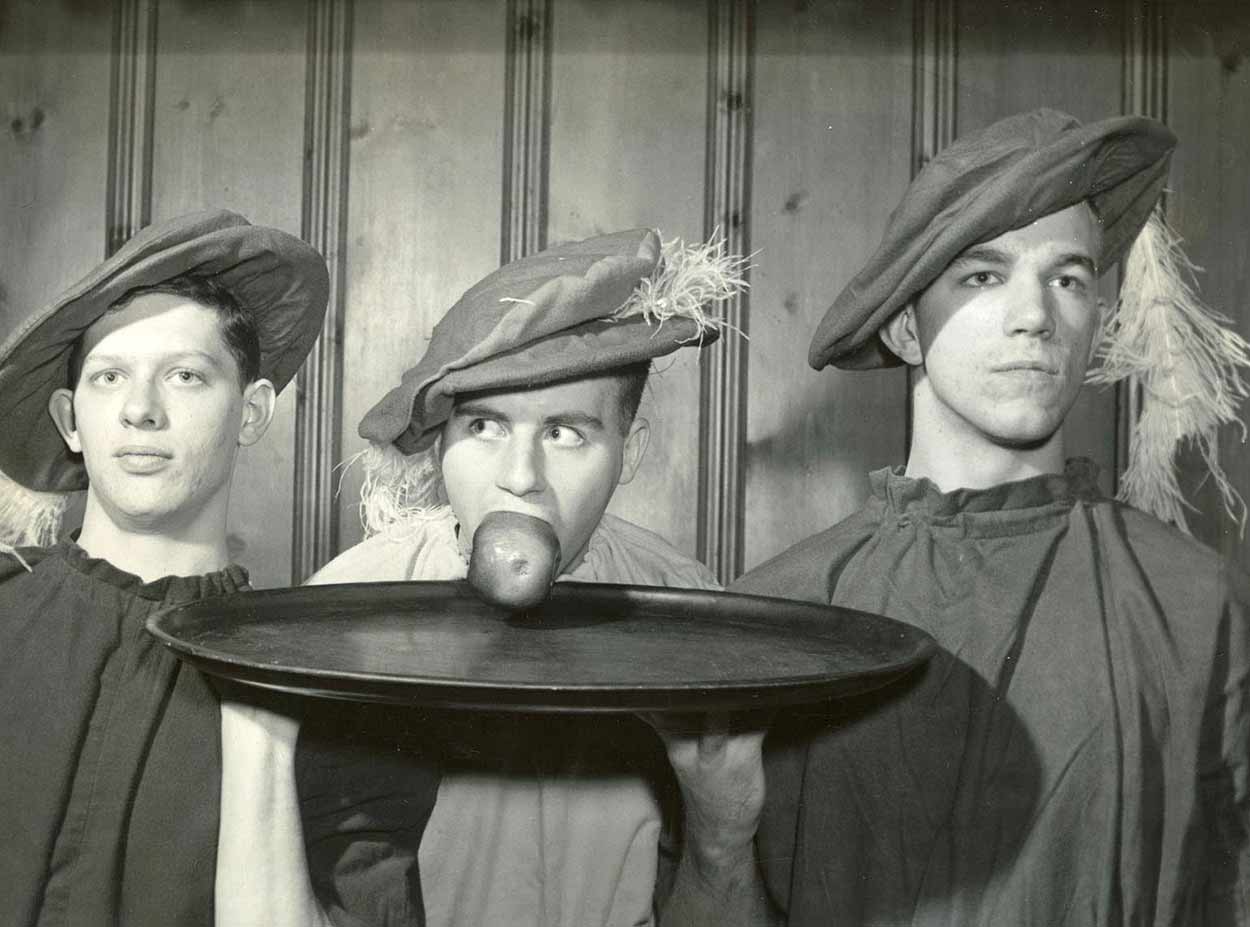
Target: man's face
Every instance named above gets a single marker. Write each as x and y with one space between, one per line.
157 412
1005 332
554 452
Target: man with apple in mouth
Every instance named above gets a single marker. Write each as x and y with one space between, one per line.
139 384
501 448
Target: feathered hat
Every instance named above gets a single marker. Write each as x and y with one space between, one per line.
1007 176
573 310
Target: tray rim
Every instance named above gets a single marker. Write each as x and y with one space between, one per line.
529 696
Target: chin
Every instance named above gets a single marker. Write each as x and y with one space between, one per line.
1025 433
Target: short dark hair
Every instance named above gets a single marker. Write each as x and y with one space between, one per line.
238 326
633 383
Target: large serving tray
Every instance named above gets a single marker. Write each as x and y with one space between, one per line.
590 648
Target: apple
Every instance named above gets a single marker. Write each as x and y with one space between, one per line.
514 561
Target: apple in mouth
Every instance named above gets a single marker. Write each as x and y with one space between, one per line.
514 561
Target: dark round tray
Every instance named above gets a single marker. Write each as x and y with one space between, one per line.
590 648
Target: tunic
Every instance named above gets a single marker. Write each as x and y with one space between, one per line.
1078 752
538 821
109 748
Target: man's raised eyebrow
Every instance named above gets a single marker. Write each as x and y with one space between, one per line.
575 419
478 409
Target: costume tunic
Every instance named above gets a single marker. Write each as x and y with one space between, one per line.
1077 753
109 748
546 821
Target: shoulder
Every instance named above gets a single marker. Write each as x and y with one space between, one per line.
422 549
808 571
622 552
1178 565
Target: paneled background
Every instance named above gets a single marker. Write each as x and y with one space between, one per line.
420 142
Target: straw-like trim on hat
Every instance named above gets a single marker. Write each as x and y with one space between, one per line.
600 304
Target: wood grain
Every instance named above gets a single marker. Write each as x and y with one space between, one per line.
832 156
425 189
229 131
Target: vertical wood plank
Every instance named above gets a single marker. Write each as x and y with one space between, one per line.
228 132
629 91
133 97
527 129
54 99
833 154
723 384
1066 54
318 385
1209 109
424 212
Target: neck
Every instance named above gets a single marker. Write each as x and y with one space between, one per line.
953 454
151 551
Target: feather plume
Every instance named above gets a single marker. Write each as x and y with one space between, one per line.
1187 360
28 518
690 281
399 492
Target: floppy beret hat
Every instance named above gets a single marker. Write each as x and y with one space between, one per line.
1001 178
277 277
573 310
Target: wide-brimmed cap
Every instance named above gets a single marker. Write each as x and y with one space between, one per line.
275 276
573 310
1004 177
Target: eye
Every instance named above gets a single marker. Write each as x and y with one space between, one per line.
981 278
1068 282
564 436
187 377
107 377
485 428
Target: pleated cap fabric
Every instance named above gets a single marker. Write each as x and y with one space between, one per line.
1004 177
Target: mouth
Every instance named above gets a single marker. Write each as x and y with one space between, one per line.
141 459
1027 367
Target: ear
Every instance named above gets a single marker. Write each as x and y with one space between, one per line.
900 336
61 408
635 448
259 399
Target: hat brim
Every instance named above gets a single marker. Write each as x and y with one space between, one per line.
584 350
1118 165
277 277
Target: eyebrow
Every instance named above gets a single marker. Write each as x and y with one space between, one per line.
572 418
201 356
984 254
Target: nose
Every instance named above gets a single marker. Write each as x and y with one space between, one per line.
143 407
521 469
1029 310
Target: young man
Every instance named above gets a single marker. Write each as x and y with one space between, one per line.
139 384
525 402
1079 750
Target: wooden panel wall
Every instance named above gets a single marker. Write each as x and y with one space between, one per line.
419 142
228 131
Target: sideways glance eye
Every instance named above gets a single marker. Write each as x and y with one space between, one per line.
1068 282
564 436
485 428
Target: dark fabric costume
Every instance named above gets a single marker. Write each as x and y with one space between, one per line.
1077 753
110 757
